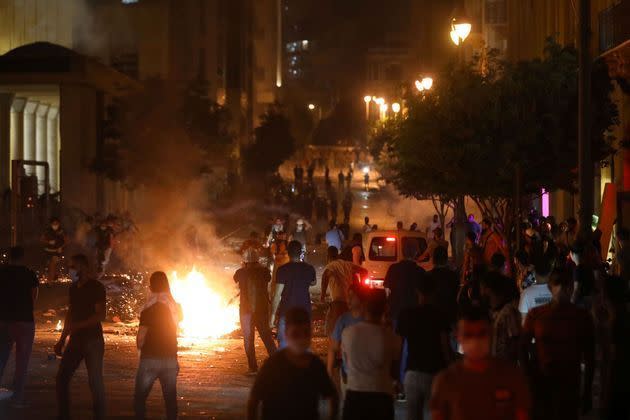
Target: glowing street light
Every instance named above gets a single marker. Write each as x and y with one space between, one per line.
460 29
396 107
419 85
367 99
380 101
311 106
427 83
383 108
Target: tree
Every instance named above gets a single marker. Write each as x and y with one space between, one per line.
469 134
273 144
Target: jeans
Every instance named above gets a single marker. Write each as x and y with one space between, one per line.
282 326
90 349
250 322
403 357
368 406
149 371
418 391
22 334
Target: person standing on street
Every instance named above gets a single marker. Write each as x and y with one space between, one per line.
367 228
426 328
82 325
292 289
252 280
157 342
334 236
54 240
538 293
18 292
292 381
564 341
370 351
491 241
479 387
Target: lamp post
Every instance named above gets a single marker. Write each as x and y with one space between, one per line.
396 108
367 99
460 29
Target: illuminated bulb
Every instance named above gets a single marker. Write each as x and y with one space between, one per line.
427 83
311 107
419 86
396 107
367 99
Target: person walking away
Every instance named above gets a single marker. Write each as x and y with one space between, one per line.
346 205
292 289
479 387
299 234
447 285
426 328
505 317
366 181
342 180
564 340
584 256
334 236
355 314
280 255
82 327
370 350
18 293
292 381
252 280
157 343
402 281
339 275
491 242
54 239
538 294
367 228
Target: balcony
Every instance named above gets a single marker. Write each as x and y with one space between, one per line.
614 25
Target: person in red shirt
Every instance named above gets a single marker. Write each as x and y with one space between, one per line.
564 339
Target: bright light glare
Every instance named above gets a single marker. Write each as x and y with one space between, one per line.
366 169
419 86
384 107
206 313
427 83
396 107
311 107
380 101
367 99
454 37
390 239
462 29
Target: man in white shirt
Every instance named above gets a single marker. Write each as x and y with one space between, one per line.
537 294
369 351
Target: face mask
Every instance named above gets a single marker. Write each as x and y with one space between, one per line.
74 275
476 348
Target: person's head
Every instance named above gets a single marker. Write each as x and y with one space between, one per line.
333 253
486 223
563 226
410 249
158 283
561 284
440 256
298 330
473 333
366 220
250 256
16 254
497 262
471 238
375 305
521 258
55 223
435 218
471 217
355 297
437 233
413 227
295 250
399 225
332 224
79 267
278 221
299 225
543 260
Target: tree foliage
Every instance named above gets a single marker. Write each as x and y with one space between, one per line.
468 135
273 144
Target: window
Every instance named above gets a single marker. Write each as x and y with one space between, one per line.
383 249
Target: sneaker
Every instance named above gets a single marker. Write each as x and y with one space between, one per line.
5 394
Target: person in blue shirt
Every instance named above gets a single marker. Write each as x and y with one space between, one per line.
334 237
353 316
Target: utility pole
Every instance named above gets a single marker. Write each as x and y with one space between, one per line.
585 161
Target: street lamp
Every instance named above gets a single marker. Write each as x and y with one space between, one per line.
383 109
379 101
419 85
427 83
396 107
311 106
460 29
367 99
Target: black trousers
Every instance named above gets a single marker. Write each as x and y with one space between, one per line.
368 406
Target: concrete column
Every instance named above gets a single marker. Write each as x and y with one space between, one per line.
29 134
52 147
17 128
5 141
41 144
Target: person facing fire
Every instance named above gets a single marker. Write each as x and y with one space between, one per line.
253 279
104 239
54 239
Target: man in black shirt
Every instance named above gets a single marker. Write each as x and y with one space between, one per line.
18 292
425 327
252 280
83 320
292 381
157 342
446 284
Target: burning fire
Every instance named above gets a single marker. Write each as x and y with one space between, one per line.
206 313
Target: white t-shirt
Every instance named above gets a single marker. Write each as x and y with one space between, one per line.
368 351
534 296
